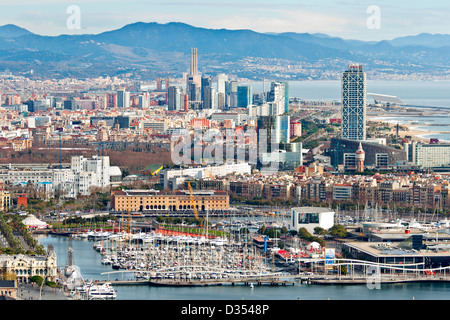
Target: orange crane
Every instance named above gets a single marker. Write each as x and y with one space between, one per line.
194 206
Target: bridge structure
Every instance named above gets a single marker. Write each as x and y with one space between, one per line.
353 271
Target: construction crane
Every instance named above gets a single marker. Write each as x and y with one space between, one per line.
194 206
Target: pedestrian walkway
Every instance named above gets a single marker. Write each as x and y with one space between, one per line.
33 292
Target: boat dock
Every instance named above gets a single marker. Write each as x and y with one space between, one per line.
221 282
200 283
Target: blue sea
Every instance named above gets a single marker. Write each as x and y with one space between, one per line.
412 92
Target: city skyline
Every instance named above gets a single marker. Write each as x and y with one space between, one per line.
362 20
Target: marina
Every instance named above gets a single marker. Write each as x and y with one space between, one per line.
163 258
303 286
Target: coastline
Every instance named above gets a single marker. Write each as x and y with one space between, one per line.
416 134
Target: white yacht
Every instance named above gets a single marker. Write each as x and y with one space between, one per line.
102 292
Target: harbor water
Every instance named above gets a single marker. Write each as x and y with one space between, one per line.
89 263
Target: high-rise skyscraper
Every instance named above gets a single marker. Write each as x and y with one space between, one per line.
221 79
209 98
354 103
231 94
123 99
244 96
194 69
174 98
206 83
282 129
277 96
274 143
193 79
143 100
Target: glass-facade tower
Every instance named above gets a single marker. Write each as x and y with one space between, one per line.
244 96
354 103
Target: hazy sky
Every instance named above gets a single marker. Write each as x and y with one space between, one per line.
347 18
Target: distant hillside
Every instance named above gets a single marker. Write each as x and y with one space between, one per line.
152 49
12 31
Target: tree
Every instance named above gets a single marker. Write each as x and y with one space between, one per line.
337 231
37 279
304 234
320 231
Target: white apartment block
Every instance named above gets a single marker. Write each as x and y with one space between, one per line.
431 155
83 174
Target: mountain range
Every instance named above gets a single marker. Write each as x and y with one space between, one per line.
148 50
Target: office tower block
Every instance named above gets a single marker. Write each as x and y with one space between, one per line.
274 144
193 80
174 98
193 89
220 100
244 96
354 103
221 79
277 129
231 94
70 105
193 69
277 98
264 130
206 83
123 99
143 101
282 129
209 98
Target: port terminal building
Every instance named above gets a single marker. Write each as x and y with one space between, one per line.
416 249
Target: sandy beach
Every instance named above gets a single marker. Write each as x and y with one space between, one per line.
415 133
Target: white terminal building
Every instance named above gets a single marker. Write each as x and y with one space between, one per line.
310 218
